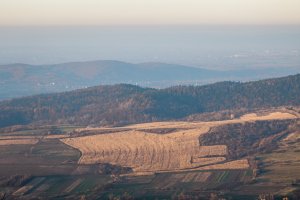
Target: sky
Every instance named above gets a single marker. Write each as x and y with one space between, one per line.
148 12
172 31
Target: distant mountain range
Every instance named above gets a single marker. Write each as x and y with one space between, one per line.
124 104
17 80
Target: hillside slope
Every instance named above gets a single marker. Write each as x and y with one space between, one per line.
22 80
124 104
17 80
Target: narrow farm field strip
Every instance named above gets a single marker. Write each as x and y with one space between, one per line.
73 185
18 141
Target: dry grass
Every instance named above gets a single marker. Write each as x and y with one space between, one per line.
271 116
197 177
236 164
55 136
148 152
207 161
73 185
19 137
26 139
202 177
22 190
292 137
18 141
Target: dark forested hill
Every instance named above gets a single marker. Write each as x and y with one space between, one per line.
123 104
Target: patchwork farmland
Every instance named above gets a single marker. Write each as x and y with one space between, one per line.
151 160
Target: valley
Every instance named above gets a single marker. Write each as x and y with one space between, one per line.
19 80
167 159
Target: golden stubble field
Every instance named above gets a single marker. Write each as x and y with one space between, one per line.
145 151
24 139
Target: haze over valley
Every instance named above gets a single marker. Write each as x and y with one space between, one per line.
220 47
19 80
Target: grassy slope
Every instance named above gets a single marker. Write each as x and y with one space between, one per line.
282 166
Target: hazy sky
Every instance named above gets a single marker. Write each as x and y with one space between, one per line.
123 12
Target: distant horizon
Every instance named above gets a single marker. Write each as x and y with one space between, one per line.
146 12
206 46
296 25
136 63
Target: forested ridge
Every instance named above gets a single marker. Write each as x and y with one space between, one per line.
123 104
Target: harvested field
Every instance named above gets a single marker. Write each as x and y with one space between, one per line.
26 188
293 137
148 152
55 136
236 164
271 116
208 161
73 185
161 146
195 180
18 141
22 190
25 137
196 177
201 177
